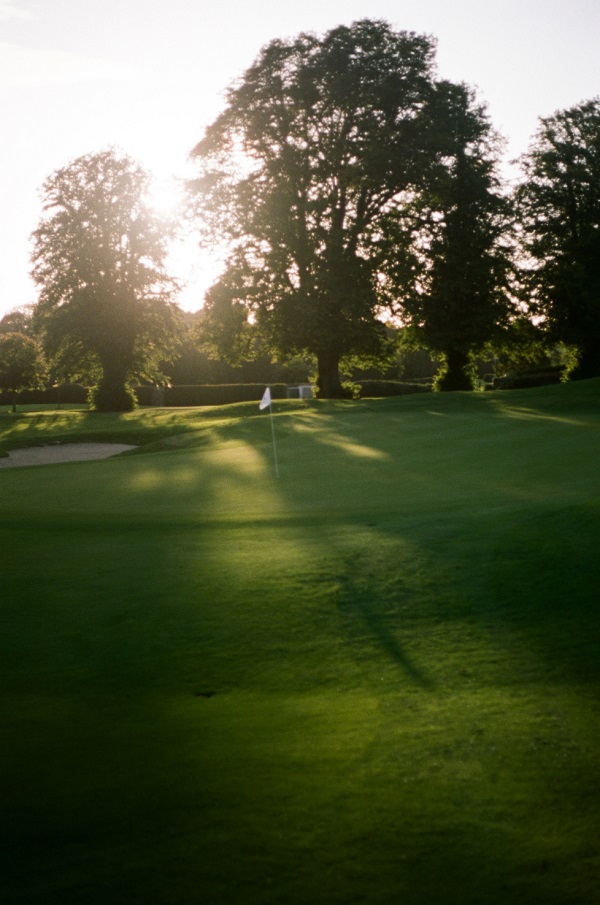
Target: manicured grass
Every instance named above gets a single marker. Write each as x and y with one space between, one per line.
374 680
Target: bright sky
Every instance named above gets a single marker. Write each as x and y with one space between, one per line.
147 75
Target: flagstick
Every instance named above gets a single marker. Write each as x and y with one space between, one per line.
274 444
264 402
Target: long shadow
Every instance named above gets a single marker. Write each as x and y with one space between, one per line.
386 640
114 629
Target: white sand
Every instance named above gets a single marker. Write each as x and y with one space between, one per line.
62 452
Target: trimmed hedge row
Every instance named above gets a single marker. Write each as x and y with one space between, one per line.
68 393
224 394
201 394
370 388
214 394
538 377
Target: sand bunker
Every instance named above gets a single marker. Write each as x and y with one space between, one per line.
62 452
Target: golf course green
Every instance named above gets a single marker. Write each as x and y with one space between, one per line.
373 679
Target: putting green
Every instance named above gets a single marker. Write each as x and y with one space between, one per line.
374 679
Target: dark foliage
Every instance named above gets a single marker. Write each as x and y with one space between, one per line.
460 299
559 208
333 131
105 299
112 397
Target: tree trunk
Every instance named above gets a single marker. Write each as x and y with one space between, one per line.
457 375
112 393
329 385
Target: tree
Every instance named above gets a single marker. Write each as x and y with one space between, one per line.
22 365
19 320
300 174
559 214
460 297
99 260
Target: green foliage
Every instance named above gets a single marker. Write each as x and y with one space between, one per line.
22 364
19 320
521 346
333 130
559 211
224 330
105 298
459 299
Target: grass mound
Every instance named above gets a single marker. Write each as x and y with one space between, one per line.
373 680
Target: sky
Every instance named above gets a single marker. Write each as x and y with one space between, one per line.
146 76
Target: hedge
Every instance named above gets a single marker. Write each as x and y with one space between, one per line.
218 394
371 388
538 377
67 394
192 395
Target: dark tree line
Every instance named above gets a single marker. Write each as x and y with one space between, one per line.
351 186
352 189
558 207
364 181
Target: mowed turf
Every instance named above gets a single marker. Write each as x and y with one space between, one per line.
374 680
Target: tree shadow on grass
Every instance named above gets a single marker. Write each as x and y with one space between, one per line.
387 642
112 630
373 596
541 577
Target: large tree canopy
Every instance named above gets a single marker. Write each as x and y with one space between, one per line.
302 174
99 254
459 299
559 206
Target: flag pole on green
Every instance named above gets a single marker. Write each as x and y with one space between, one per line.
267 402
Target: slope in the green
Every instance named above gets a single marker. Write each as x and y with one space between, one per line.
374 679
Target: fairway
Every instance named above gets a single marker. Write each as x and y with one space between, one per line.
372 680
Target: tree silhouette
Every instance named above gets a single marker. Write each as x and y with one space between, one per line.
460 298
22 364
98 259
300 174
559 212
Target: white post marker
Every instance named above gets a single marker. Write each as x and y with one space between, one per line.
267 402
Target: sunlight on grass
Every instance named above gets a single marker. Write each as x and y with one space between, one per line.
242 461
330 438
354 449
145 479
372 680
525 414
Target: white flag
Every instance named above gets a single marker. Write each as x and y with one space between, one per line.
265 402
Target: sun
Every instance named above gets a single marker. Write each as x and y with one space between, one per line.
166 195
